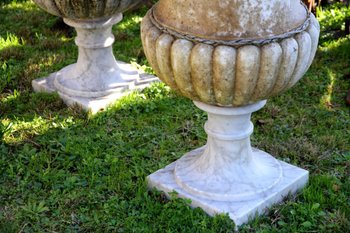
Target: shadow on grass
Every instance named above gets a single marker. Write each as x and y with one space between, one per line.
94 168
32 46
88 174
28 21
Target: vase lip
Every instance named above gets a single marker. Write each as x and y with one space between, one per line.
94 23
237 20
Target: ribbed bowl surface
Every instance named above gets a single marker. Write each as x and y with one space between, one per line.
228 75
85 9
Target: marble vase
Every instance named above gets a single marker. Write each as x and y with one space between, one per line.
229 66
227 175
96 79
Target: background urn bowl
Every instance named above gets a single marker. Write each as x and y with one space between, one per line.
228 75
85 10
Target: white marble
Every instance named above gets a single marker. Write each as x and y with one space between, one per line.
230 19
227 175
220 74
97 79
93 105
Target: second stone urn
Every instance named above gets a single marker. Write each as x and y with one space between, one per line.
96 79
229 57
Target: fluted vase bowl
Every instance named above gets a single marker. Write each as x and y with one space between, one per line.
229 57
97 76
230 53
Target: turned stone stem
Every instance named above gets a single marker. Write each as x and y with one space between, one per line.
96 73
227 169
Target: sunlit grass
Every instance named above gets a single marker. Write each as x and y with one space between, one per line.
129 22
10 41
333 17
326 99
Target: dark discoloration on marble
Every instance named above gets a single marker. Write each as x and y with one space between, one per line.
229 76
86 9
230 19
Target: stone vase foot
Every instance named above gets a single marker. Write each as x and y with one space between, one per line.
97 79
227 175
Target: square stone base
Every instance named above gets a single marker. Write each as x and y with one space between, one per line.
240 212
91 104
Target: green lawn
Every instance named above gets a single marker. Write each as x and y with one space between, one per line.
64 170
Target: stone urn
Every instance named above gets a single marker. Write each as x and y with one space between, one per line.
229 57
97 78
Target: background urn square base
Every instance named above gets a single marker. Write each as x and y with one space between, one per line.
240 212
94 105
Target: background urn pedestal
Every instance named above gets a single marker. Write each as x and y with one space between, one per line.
227 175
97 79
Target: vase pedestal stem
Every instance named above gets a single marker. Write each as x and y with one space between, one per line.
227 175
96 79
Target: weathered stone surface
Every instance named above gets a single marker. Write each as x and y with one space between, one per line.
227 19
225 75
286 69
227 175
314 31
202 72
150 40
304 51
229 55
247 74
163 47
271 57
232 54
82 9
180 63
96 79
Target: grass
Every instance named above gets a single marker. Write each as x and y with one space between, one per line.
64 170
